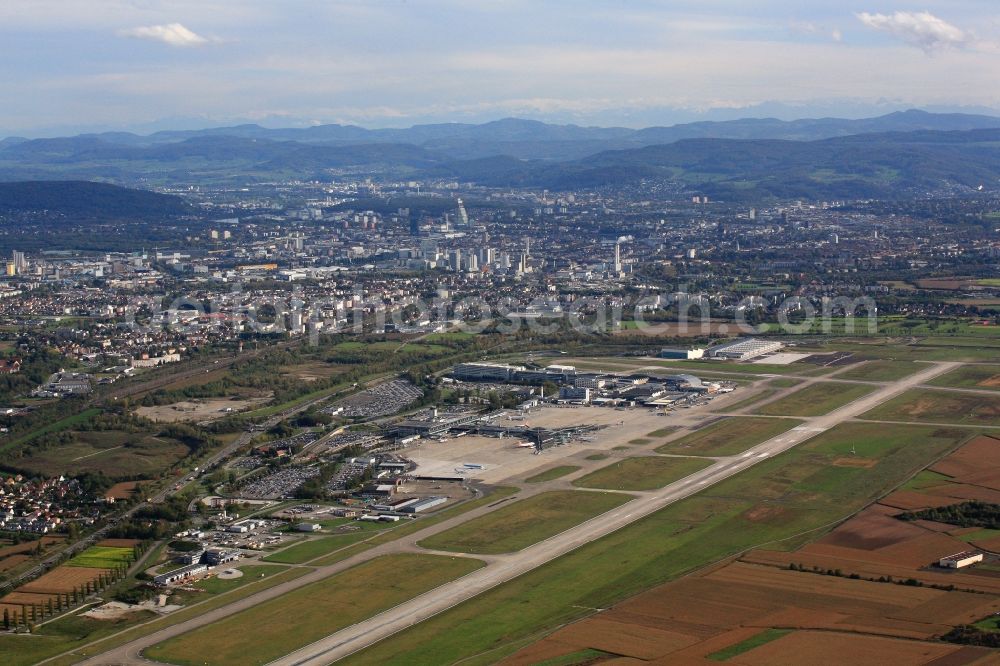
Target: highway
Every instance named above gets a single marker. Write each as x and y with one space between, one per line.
501 569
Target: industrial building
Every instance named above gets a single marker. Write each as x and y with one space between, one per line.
574 394
481 372
960 560
423 504
681 353
180 574
742 350
308 527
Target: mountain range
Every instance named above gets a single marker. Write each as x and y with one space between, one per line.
741 159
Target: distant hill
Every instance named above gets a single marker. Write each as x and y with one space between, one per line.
530 139
87 200
890 156
883 165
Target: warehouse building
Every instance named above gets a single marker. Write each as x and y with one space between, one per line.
960 560
180 574
424 504
742 350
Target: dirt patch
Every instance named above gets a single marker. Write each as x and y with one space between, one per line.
763 513
119 543
208 409
991 382
810 647
123 490
864 463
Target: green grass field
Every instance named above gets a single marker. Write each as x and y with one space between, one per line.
728 437
310 549
980 377
815 400
785 382
926 479
642 473
63 634
520 524
762 638
116 454
760 396
926 405
56 426
279 626
880 371
251 572
776 499
552 473
102 557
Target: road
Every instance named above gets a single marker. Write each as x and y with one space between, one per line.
501 569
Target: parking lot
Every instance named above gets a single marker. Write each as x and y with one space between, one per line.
283 483
381 400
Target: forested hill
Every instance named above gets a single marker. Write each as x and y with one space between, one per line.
88 200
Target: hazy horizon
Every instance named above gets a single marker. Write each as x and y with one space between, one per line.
148 65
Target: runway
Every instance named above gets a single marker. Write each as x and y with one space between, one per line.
394 620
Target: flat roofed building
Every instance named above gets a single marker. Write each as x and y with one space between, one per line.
741 350
960 560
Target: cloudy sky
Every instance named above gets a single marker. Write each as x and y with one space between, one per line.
75 65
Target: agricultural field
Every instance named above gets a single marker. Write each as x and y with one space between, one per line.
815 400
282 625
641 473
520 524
939 407
552 473
880 371
728 437
971 377
13 555
116 454
103 557
775 503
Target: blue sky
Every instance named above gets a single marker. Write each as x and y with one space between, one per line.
71 65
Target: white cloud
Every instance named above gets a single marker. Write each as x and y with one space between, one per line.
172 34
920 29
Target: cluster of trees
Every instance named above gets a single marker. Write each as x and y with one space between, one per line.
193 437
965 514
968 634
36 367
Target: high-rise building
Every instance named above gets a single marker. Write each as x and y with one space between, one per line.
618 258
463 217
